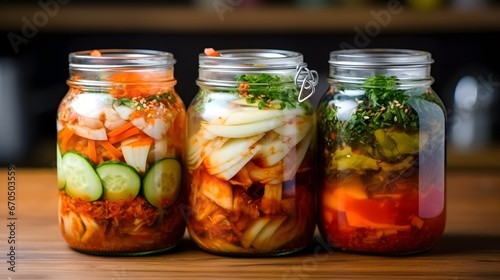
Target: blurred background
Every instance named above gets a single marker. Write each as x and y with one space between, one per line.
37 36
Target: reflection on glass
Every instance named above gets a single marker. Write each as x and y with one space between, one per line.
471 124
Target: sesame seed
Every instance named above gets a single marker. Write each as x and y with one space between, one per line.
366 117
360 101
395 118
406 110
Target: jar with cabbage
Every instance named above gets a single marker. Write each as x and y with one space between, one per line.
250 153
381 142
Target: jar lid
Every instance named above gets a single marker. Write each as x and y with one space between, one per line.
379 57
251 59
121 58
411 67
222 70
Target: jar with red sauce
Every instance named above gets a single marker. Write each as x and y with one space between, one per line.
250 153
382 157
120 143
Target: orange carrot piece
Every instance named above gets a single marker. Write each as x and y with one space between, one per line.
124 135
120 129
211 52
91 151
111 149
141 142
65 135
95 53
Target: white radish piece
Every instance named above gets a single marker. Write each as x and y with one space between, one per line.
123 111
155 130
252 231
89 133
299 154
261 240
243 130
232 151
136 156
91 105
273 150
250 115
229 173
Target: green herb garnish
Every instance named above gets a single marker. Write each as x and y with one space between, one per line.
132 102
124 102
263 89
383 105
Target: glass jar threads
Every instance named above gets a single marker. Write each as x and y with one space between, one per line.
381 142
120 142
250 153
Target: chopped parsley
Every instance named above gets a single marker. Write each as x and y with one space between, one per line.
263 89
169 97
383 105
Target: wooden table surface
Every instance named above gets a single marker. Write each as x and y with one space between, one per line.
469 249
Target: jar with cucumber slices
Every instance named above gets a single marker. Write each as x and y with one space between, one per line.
381 135
250 153
120 143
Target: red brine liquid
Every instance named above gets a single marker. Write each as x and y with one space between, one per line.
408 217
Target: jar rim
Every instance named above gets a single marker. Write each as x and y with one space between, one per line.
379 57
120 58
251 59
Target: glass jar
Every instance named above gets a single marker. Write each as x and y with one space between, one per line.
381 143
120 142
250 153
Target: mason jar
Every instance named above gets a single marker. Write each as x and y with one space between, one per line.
250 153
120 142
382 157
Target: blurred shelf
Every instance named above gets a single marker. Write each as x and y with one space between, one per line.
156 18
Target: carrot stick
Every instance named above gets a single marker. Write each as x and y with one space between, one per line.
65 135
120 129
141 142
111 149
95 53
124 135
211 52
91 151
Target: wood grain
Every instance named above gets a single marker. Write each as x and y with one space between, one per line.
470 248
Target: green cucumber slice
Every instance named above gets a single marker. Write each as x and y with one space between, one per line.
162 182
119 180
81 179
61 178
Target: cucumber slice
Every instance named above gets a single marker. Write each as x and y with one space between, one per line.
120 181
162 182
81 179
61 178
